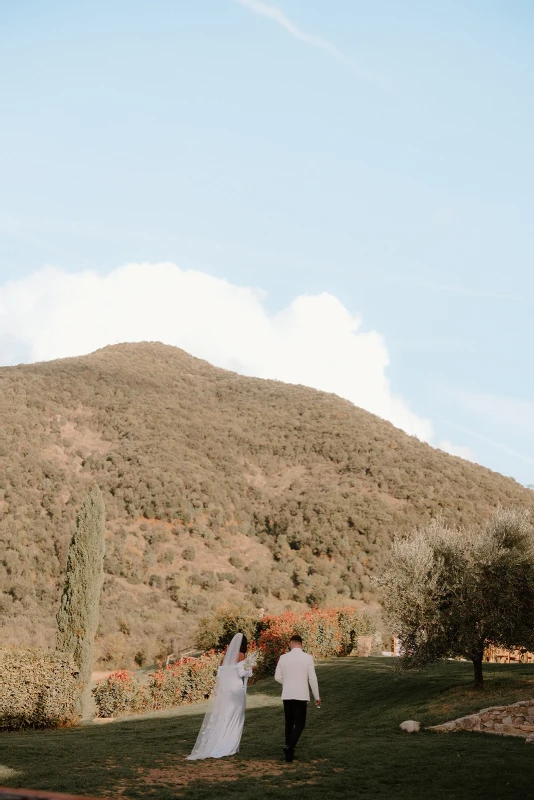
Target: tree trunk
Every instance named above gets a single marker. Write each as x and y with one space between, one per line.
479 678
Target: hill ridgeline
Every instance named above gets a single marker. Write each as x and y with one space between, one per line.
218 488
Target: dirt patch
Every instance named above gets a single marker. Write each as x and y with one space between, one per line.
278 483
369 488
215 772
181 773
98 676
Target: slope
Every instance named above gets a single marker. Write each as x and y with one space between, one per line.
217 487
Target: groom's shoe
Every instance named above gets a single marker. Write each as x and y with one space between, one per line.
289 753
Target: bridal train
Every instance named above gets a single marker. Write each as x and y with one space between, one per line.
220 734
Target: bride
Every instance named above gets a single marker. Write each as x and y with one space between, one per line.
222 727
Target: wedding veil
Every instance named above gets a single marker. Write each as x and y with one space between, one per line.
231 657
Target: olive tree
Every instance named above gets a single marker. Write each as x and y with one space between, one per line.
451 593
77 618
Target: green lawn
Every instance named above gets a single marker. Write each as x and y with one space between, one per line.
351 748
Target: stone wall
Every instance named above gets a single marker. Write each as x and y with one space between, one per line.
514 720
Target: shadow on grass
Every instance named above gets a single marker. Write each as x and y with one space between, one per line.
352 747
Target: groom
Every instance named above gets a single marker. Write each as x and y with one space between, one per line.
295 671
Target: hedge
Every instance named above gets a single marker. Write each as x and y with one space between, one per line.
38 688
186 681
120 693
326 633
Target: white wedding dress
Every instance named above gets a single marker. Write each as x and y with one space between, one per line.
220 734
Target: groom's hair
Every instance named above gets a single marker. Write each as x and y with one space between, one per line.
296 638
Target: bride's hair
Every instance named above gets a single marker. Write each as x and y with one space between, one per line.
244 644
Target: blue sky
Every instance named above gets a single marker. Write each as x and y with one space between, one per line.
376 153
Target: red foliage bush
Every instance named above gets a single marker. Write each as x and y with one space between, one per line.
120 693
326 633
186 681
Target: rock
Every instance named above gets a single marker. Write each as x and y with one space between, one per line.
410 726
468 723
446 727
509 730
516 719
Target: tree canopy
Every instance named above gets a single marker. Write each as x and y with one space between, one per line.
77 618
450 592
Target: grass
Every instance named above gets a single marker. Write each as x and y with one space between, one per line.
351 748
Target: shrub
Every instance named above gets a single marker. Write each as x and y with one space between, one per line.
216 631
326 633
186 681
189 554
120 693
38 689
231 577
167 557
274 638
236 561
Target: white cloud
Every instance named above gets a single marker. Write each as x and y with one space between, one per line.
315 341
494 443
457 450
275 14
361 72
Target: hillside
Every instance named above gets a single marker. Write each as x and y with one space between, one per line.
217 486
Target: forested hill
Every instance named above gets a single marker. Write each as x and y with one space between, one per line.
217 486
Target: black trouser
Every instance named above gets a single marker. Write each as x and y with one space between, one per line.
295 711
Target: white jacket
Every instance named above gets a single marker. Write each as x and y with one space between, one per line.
296 672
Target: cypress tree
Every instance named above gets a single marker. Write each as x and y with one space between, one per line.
77 618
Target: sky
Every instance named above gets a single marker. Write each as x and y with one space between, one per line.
338 194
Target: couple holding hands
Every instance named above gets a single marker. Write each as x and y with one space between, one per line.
222 726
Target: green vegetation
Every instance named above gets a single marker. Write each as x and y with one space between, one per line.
77 618
302 491
37 689
325 634
216 631
352 747
186 681
454 592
